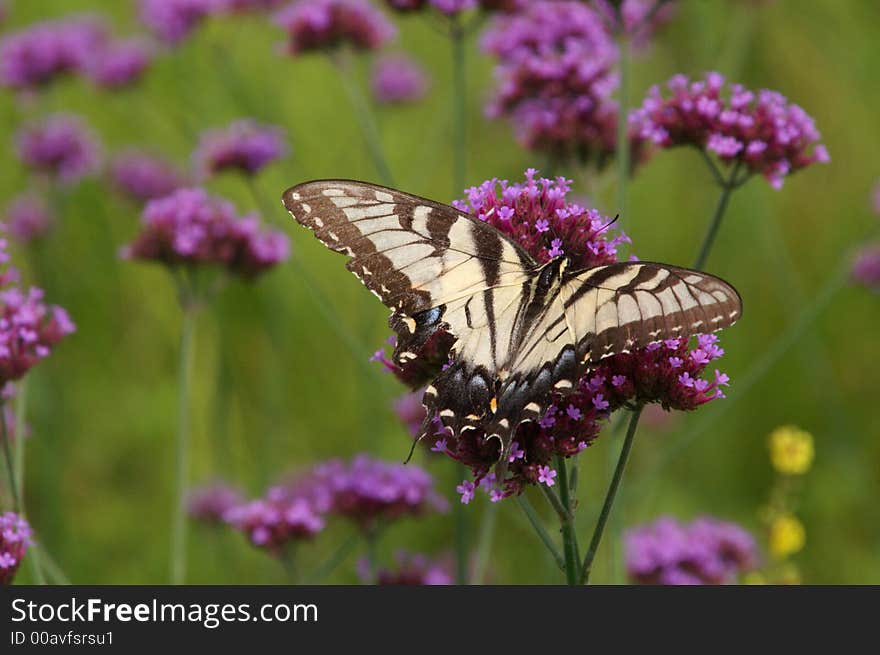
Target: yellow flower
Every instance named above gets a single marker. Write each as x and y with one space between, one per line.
791 450
787 535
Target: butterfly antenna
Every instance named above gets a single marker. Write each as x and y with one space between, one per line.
609 223
413 448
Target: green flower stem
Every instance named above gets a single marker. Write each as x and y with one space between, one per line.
610 494
484 542
364 114
336 558
371 540
727 188
18 446
623 154
184 383
10 467
540 530
569 535
459 105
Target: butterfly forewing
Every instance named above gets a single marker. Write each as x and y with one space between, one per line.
411 252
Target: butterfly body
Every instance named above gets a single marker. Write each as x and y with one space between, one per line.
521 328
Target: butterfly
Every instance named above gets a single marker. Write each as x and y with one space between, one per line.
522 329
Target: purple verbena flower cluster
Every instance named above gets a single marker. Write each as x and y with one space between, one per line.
369 491
411 569
142 177
276 521
174 20
244 146
536 214
761 131
398 80
327 24
119 63
191 228
59 146
704 552
210 503
555 79
28 218
35 56
29 328
15 539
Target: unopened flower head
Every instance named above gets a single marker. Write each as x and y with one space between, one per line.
791 450
328 24
398 80
676 373
704 552
59 146
209 503
142 176
787 535
191 228
555 77
369 491
15 539
119 64
244 146
28 218
35 56
174 20
761 132
410 569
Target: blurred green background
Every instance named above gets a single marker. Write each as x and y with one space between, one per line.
276 390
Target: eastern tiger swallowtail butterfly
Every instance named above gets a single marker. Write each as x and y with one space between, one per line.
523 328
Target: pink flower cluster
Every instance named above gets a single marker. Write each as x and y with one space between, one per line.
28 218
209 504
15 539
367 491
275 522
761 131
191 228
411 569
704 552
36 56
174 20
638 19
326 24
244 146
673 373
60 146
398 80
143 177
555 79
